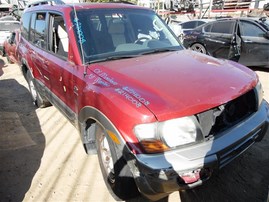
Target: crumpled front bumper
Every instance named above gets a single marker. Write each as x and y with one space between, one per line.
158 175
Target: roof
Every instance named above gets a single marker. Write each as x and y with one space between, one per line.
78 6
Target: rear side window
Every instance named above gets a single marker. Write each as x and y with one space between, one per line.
189 25
208 27
200 23
225 27
222 27
25 25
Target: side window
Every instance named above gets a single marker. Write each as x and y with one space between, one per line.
58 37
207 28
189 25
37 30
249 29
40 26
200 23
32 28
224 27
25 25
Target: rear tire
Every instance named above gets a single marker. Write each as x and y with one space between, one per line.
198 48
36 97
116 173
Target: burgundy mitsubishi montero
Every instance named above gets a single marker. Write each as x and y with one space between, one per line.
159 117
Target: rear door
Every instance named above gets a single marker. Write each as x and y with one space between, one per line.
38 49
255 47
218 37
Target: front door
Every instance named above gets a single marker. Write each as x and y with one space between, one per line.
61 80
255 46
219 37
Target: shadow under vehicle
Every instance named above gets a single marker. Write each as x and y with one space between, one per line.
22 140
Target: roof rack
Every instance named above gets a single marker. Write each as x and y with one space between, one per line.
120 1
42 2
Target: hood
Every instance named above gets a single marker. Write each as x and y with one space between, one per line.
176 84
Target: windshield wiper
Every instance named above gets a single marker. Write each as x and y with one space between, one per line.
159 50
118 57
114 57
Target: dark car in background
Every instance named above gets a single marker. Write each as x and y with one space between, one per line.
244 40
6 28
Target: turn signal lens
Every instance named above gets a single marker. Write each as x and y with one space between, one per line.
154 146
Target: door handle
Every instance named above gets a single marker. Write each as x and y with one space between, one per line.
46 62
76 90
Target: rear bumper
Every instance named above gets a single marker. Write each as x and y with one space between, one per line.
161 174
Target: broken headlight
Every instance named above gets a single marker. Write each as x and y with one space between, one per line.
162 136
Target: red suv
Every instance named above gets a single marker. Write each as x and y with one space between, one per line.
10 47
160 118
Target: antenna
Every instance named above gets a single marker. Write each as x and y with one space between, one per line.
79 36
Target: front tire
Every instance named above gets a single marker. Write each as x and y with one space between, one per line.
36 97
116 173
198 48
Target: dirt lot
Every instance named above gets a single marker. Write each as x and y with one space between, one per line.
42 159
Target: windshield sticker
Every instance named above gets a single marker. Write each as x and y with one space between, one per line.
80 33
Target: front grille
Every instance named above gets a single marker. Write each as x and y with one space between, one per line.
227 115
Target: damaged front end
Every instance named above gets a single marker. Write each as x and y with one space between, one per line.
227 131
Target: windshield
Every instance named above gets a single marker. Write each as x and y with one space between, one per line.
114 33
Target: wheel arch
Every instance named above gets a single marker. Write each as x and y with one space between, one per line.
89 118
124 187
24 67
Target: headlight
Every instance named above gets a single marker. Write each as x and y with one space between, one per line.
259 93
178 131
162 136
